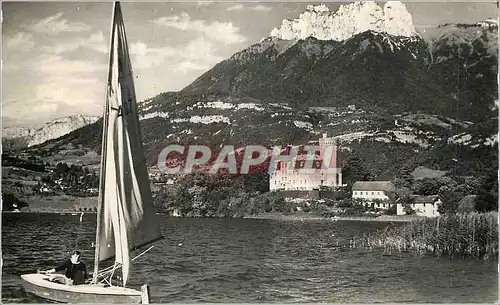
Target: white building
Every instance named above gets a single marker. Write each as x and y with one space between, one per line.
373 190
422 205
291 175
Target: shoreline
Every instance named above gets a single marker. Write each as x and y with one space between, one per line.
265 216
65 204
313 217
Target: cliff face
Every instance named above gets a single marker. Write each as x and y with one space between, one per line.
50 130
358 17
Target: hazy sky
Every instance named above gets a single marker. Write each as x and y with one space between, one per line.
55 54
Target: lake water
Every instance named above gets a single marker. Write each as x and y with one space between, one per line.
248 260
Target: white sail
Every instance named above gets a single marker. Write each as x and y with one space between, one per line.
126 216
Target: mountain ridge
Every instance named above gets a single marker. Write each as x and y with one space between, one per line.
393 100
50 130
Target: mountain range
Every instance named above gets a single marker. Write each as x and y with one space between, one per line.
13 137
362 74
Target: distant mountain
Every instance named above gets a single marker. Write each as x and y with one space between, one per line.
22 136
379 88
465 59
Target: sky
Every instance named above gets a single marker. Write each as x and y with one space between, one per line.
55 53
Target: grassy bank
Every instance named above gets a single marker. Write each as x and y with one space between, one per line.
57 203
288 216
466 235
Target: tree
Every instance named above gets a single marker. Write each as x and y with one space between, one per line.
259 204
354 170
392 210
342 193
95 179
405 178
431 186
9 200
451 198
62 167
358 208
404 193
278 204
426 186
345 203
487 199
47 179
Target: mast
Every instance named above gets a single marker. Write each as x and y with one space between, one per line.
102 176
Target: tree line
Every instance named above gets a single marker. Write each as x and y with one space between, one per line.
75 179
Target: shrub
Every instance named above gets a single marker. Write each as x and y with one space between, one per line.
465 235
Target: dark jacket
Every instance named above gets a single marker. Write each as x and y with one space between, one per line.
76 272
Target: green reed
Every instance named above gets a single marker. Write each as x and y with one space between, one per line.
462 235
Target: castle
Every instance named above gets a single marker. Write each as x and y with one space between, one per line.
290 174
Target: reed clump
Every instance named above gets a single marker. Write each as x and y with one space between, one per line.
460 235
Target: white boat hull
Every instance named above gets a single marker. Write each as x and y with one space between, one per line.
42 286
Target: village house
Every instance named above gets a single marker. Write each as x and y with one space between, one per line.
290 175
373 191
158 177
82 206
93 190
422 205
44 188
154 175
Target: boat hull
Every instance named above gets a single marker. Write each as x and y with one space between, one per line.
42 286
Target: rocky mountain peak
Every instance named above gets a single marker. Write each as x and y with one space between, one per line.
350 19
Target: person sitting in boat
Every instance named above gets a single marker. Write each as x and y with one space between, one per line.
76 272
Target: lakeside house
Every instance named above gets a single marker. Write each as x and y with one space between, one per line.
176 213
88 204
374 190
290 176
156 176
422 205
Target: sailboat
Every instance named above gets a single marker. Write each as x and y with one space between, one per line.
125 215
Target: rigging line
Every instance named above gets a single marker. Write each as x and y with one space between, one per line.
133 259
113 272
